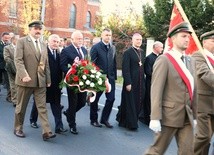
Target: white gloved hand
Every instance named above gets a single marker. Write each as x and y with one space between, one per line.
194 123
155 125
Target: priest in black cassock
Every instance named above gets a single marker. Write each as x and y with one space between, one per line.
133 85
148 65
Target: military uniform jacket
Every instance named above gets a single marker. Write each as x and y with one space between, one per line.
27 63
9 59
170 100
205 85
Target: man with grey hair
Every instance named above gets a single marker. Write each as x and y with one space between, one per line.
75 100
148 68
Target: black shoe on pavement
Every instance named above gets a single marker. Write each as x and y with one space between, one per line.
96 124
34 125
60 130
74 130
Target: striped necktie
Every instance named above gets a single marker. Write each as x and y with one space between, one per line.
80 55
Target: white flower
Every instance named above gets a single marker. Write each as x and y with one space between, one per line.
100 82
84 77
92 76
87 82
93 71
81 83
92 84
98 73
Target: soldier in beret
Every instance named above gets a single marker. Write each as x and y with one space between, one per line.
32 77
172 96
205 91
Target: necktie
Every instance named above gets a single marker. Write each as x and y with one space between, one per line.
37 49
80 55
54 54
183 59
107 47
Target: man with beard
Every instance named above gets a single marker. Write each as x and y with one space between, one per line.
133 85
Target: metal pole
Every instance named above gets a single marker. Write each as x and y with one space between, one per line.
43 11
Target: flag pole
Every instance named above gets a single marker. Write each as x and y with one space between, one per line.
194 36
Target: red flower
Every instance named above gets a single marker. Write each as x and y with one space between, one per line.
73 71
75 78
97 68
67 78
85 71
93 64
84 62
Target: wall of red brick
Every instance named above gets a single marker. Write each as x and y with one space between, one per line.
57 17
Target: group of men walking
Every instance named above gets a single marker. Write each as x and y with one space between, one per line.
179 87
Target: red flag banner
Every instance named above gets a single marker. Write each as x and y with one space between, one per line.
176 18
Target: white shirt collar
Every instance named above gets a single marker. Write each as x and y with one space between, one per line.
177 53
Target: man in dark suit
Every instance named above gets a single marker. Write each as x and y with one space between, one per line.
75 100
103 54
173 96
53 93
5 40
205 92
148 68
32 77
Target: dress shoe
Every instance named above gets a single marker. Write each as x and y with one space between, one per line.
19 133
74 130
48 135
34 125
61 106
96 124
60 130
65 113
8 99
107 124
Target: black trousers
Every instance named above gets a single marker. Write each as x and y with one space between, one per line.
110 97
75 102
56 111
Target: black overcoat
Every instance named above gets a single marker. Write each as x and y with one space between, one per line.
53 93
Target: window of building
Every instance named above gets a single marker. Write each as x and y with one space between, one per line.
88 20
13 8
73 13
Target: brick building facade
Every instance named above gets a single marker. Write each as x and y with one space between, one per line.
61 16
